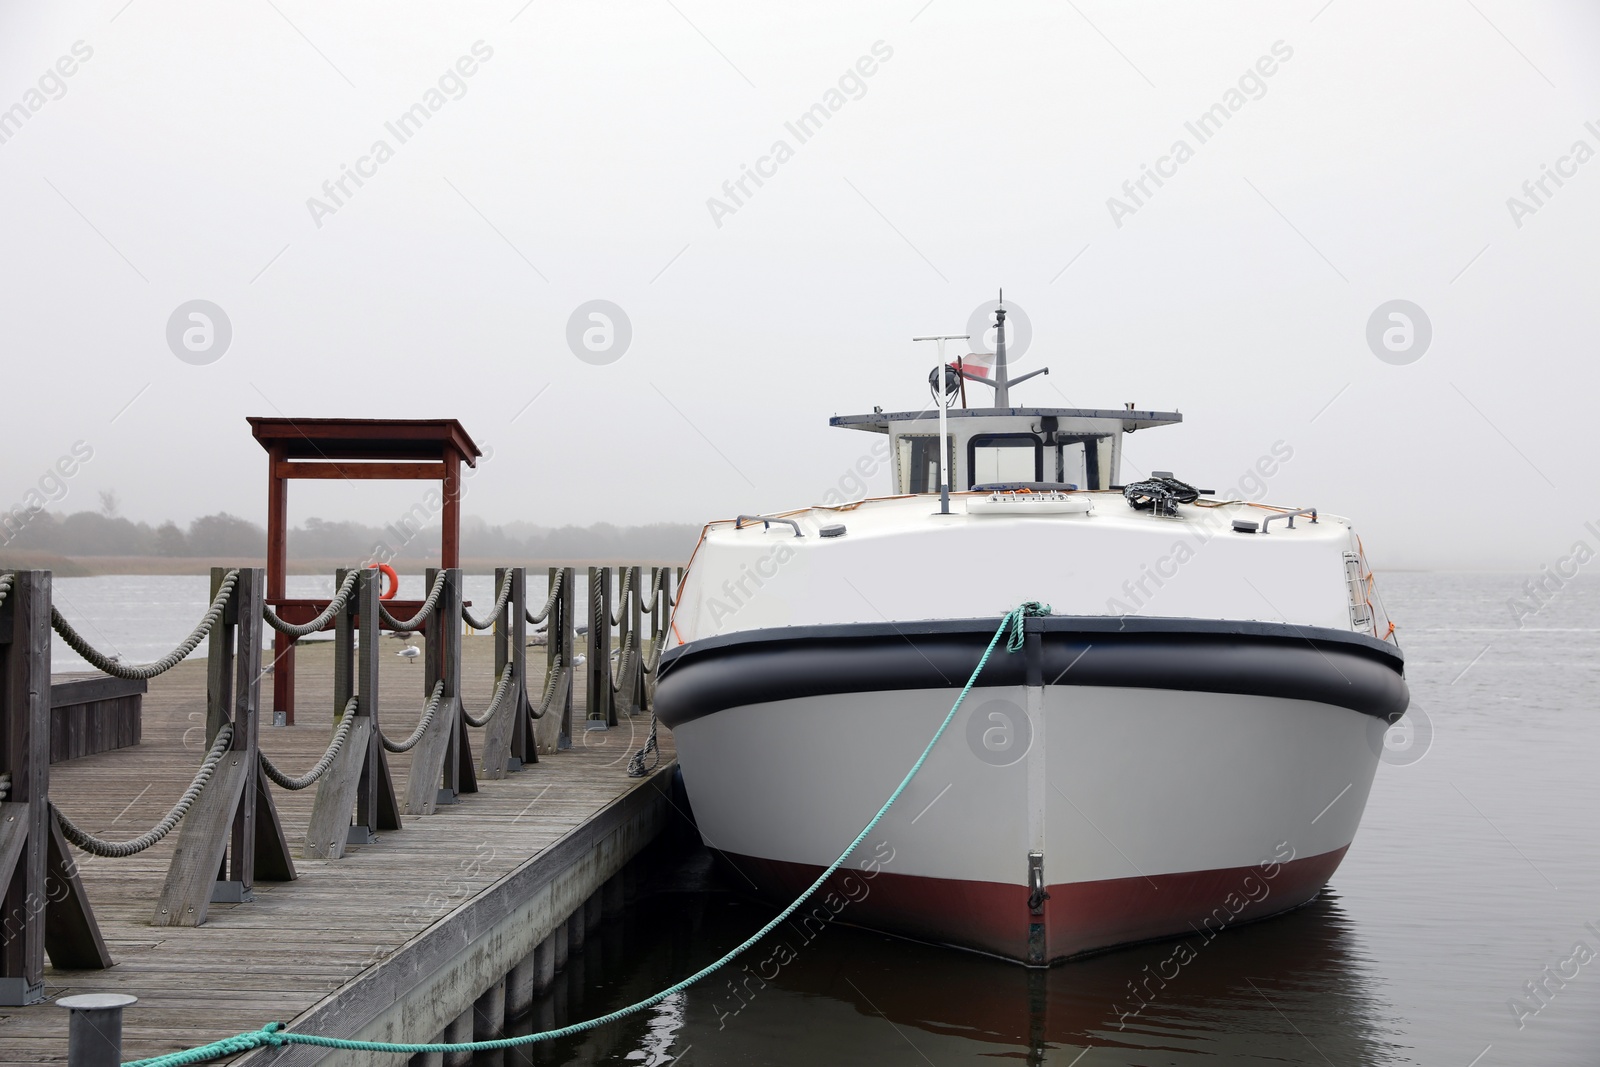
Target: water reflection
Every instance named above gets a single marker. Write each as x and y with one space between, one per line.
1294 989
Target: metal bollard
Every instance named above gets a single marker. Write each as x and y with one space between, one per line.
94 1030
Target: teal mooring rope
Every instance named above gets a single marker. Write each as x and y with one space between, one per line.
274 1034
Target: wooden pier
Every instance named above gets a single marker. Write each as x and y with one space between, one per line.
446 926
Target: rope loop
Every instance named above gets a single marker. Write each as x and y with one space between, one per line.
346 722
413 624
499 606
551 684
500 690
99 846
336 605
422 727
111 666
624 587
535 618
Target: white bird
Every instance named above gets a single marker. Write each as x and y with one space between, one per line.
410 652
579 660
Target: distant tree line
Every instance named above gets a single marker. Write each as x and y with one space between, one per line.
97 533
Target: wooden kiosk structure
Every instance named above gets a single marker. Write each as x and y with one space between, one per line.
355 450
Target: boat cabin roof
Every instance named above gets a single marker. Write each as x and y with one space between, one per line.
1130 419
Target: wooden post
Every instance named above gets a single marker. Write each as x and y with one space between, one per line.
509 637
636 669
459 776
450 527
24 817
523 749
198 873
377 807
599 647
423 791
329 829
548 730
569 649
277 587
45 910
622 691
259 848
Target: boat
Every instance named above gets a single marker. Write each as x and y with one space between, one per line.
1184 742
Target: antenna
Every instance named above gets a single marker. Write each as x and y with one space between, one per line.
944 425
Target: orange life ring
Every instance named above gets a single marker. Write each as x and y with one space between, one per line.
393 586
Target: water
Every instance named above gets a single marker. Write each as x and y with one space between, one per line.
1477 867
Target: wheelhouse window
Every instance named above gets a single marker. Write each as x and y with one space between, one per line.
919 463
1084 462
1004 457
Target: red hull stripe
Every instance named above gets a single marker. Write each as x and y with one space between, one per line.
1079 917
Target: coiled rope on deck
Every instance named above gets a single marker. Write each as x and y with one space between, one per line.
99 846
416 735
1011 627
108 665
336 605
413 624
499 606
346 722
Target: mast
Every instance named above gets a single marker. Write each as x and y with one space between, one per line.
1002 385
1001 381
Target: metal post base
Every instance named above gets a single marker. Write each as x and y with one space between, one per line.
446 796
231 893
513 764
15 992
280 718
359 835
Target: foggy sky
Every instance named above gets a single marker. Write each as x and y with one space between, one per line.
585 156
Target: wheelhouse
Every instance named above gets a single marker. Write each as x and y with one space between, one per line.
1079 448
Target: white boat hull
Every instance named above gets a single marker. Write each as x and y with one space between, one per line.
1154 810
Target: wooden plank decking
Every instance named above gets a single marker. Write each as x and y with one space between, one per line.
299 943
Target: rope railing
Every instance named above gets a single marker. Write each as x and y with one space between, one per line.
658 576
499 606
322 765
551 687
422 727
621 676
413 624
336 605
107 664
5 585
478 722
658 642
535 618
624 587
99 846
5 785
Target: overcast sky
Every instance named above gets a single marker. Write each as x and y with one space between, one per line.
570 153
